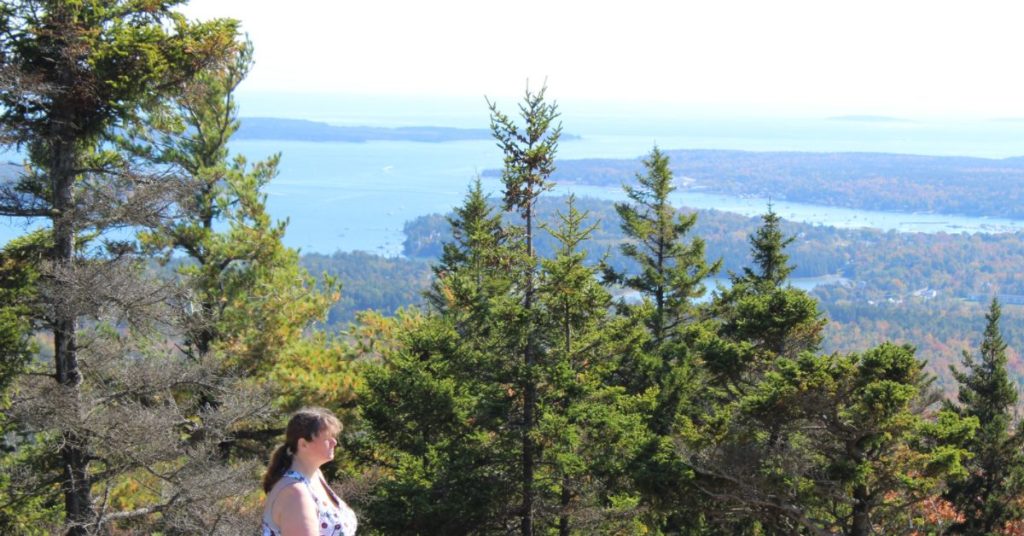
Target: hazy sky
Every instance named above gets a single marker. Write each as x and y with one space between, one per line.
893 57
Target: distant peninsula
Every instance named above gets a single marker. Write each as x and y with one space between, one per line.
871 181
276 128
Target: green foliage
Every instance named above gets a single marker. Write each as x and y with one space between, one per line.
446 409
671 271
760 318
529 150
843 443
19 303
27 511
767 247
987 495
467 274
251 299
76 73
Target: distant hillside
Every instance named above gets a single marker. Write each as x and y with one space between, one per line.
873 181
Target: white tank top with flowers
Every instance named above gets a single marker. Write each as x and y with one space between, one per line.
333 520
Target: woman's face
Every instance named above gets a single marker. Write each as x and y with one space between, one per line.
321 447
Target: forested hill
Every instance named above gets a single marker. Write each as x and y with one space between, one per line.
875 181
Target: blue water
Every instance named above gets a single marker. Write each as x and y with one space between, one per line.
345 196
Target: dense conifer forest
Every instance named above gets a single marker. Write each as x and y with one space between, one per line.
567 370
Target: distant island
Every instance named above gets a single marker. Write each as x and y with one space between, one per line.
868 119
275 128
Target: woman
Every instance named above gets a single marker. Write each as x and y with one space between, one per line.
299 501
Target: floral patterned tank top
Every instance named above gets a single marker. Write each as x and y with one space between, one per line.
334 520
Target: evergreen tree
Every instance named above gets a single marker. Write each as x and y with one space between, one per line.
251 299
671 271
754 323
590 427
500 398
988 496
768 246
75 74
760 317
441 407
529 162
836 445
670 277
468 272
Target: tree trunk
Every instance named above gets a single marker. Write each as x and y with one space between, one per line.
529 391
861 512
563 520
73 453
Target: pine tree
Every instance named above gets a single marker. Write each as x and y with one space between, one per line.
251 299
989 495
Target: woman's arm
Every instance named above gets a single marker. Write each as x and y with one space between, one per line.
295 512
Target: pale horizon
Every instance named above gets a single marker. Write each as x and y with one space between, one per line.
908 59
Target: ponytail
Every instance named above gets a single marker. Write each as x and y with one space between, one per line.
280 461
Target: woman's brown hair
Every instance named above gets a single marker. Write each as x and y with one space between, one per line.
306 424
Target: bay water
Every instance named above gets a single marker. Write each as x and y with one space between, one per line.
357 196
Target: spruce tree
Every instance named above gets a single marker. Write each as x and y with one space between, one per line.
442 408
468 273
590 427
671 270
760 316
836 444
989 495
768 246
495 413
529 160
754 323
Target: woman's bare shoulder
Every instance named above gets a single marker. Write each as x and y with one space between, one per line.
290 492
294 510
